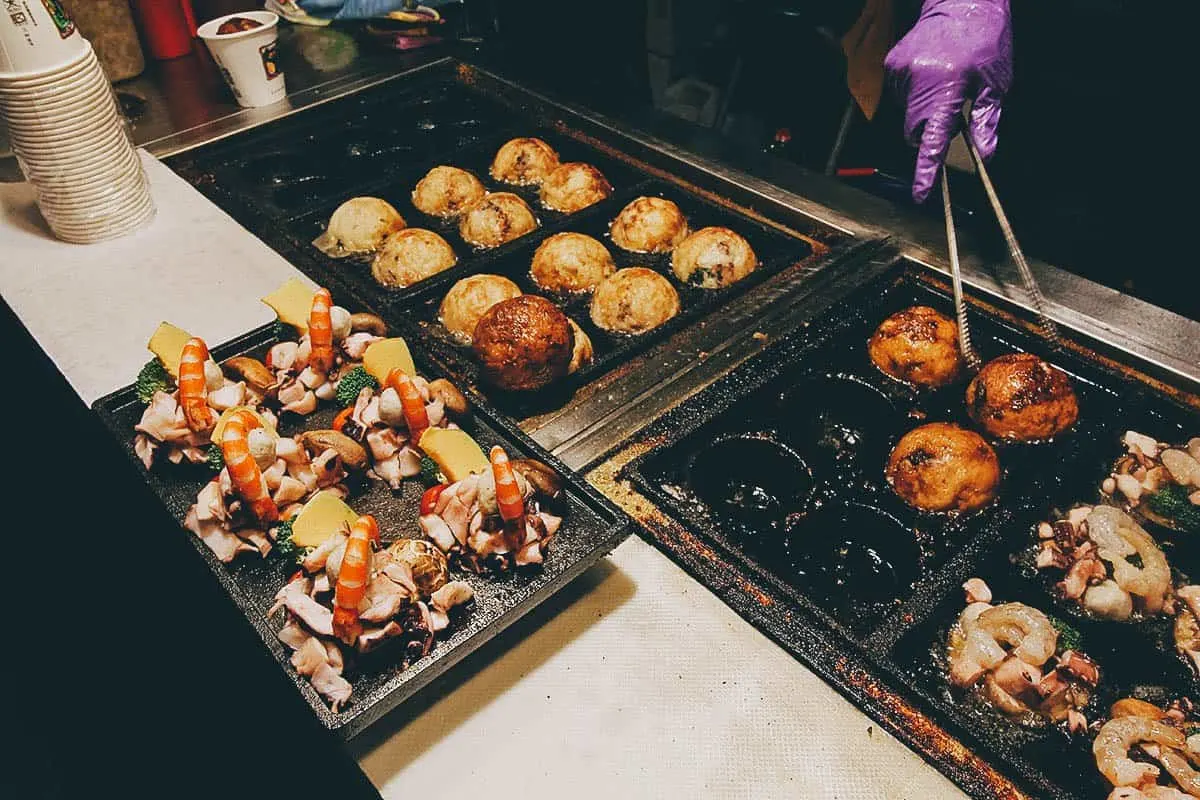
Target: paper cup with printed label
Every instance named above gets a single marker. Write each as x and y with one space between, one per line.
247 58
37 36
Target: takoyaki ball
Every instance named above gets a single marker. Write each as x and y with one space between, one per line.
1021 397
524 343
634 300
359 225
713 258
573 187
581 355
496 218
942 467
649 225
571 262
918 345
446 192
411 255
469 299
524 162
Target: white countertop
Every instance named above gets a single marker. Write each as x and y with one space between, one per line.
635 681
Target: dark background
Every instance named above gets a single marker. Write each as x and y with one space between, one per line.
1085 156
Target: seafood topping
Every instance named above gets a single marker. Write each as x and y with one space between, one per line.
1111 566
491 521
1145 752
266 478
1158 482
1009 654
350 599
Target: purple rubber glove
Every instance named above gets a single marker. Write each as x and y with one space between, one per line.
958 50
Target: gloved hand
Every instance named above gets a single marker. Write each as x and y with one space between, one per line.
958 50
358 9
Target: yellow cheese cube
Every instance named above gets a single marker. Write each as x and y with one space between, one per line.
167 343
228 413
293 303
381 357
325 513
454 451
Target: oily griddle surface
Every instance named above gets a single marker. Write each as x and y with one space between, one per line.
285 181
812 421
591 528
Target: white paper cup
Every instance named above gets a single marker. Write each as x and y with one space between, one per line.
36 37
56 176
81 82
248 59
27 117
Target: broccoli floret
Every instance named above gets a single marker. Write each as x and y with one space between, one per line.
152 378
1172 502
215 458
352 383
431 474
283 539
1068 637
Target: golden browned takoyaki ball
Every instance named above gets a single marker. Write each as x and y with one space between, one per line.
571 262
574 186
713 258
634 300
446 191
918 345
524 343
496 218
942 467
469 299
1019 396
359 225
524 161
649 225
411 255
582 354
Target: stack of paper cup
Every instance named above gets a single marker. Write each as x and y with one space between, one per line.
65 128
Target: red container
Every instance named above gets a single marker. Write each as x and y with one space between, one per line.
164 28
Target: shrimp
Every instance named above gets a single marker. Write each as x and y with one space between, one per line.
1112 744
1178 767
353 576
1118 536
193 385
978 646
508 499
244 473
413 406
320 332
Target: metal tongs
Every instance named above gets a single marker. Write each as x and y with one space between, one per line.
1038 300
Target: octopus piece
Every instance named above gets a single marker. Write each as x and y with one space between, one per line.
569 263
1021 397
918 345
634 300
942 467
359 226
446 192
523 162
573 187
713 258
469 299
649 225
581 353
524 344
496 218
380 418
409 256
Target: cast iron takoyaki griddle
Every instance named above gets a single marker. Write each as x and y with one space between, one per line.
591 528
775 250
284 181
777 469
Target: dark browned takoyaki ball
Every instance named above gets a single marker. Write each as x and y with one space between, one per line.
1021 397
918 345
943 467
